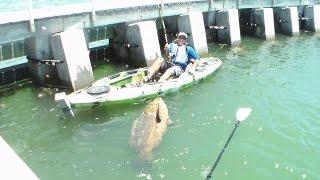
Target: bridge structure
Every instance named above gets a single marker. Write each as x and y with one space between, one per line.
27 42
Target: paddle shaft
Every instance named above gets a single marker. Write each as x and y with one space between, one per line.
222 151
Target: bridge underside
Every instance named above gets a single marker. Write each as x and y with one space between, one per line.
105 27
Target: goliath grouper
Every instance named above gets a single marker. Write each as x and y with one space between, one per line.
147 131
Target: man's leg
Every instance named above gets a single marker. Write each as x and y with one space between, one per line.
169 72
155 67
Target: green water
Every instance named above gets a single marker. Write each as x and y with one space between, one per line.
280 140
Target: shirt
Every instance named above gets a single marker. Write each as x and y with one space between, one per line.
181 55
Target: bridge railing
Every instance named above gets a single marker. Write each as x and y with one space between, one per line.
12 50
18 5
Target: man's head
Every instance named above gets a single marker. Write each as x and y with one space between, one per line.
182 38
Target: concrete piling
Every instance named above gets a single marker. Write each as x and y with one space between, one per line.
37 49
229 20
311 18
287 20
143 43
209 21
264 21
193 25
120 36
70 46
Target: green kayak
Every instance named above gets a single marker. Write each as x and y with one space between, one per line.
124 87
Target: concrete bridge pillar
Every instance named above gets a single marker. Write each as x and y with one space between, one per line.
230 31
120 37
171 23
193 25
311 18
37 49
264 21
71 47
144 43
209 21
287 20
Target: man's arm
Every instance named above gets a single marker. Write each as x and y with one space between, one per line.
168 50
191 68
193 58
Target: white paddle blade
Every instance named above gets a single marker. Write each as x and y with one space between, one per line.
243 113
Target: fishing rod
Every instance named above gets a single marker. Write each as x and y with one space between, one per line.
162 21
241 115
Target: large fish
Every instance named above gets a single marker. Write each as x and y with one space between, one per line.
147 131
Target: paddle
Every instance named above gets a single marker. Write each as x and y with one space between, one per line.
241 115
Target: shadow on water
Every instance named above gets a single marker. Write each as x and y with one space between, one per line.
105 113
11 89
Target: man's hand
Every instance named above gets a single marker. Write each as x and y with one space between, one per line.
191 68
166 49
166 46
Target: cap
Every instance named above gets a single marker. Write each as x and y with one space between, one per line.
182 34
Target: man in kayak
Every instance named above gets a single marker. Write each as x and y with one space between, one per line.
181 58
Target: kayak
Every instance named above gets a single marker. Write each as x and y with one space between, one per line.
125 87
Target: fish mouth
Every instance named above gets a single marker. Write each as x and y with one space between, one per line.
158 119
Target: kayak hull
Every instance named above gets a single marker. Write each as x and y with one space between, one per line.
124 88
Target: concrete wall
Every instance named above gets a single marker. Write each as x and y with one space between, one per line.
264 20
37 49
312 18
193 25
287 20
171 24
71 47
120 36
230 20
145 35
210 20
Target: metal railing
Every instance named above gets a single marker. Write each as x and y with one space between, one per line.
99 33
12 50
16 49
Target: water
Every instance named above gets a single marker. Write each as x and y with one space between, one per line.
280 140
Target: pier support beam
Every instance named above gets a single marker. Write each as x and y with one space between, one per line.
193 25
37 49
210 21
264 22
71 47
143 43
229 20
287 20
311 18
171 23
120 37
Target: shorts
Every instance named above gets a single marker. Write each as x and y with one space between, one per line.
166 65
